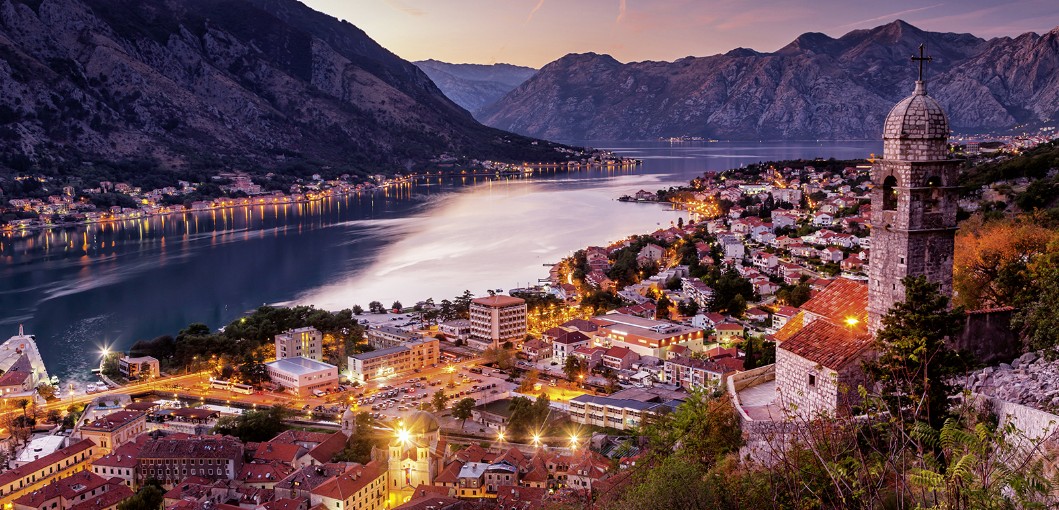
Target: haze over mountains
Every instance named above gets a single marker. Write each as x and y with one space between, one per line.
816 87
474 86
220 83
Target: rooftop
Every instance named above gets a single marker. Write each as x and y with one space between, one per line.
499 301
828 344
841 300
299 365
113 421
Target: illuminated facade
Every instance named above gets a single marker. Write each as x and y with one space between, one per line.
646 337
393 361
497 319
304 342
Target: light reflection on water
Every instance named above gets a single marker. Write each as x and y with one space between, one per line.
115 283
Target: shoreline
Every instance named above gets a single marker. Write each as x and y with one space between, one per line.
303 198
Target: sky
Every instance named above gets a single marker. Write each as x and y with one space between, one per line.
535 32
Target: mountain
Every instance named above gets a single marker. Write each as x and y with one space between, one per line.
246 84
474 86
816 87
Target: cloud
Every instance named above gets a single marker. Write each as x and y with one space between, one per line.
407 9
892 15
534 11
621 11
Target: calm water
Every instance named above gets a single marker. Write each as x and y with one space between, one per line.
113 284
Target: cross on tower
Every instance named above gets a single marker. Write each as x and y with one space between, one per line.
921 59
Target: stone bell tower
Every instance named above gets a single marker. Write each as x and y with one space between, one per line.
913 204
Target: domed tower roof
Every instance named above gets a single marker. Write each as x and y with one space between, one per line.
421 422
916 129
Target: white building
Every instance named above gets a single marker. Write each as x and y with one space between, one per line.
301 376
142 366
305 342
394 360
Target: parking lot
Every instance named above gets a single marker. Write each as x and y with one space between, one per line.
395 397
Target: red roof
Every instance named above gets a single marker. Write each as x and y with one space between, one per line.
13 475
350 482
499 301
841 299
113 421
116 493
828 344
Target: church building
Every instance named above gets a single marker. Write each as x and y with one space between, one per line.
913 226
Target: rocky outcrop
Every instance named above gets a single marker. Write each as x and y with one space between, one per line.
815 87
1029 380
475 86
220 83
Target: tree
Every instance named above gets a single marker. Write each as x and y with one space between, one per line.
662 307
54 416
688 308
46 391
396 306
376 307
256 425
914 364
1038 320
149 497
462 410
737 307
503 358
529 381
357 310
573 367
992 262
440 400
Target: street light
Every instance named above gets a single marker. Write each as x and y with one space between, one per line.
500 436
536 440
573 441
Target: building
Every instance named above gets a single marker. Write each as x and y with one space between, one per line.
693 373
114 430
142 367
171 460
59 464
305 342
381 337
81 491
913 207
414 455
391 361
495 320
616 413
646 337
619 358
302 376
361 487
915 198
564 344
456 329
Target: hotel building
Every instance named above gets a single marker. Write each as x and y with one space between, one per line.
495 320
305 342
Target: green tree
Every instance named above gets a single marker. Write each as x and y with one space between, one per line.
254 426
46 391
462 410
529 381
396 306
1038 319
357 310
662 307
376 307
500 356
573 367
149 497
914 364
440 400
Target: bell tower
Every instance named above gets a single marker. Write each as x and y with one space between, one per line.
913 203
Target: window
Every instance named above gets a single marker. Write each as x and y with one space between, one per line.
812 379
932 201
890 194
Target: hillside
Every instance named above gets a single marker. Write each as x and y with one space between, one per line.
252 85
475 86
816 87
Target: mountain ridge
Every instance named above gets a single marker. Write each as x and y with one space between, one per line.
474 86
816 87
243 84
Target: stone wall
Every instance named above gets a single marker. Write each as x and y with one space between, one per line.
989 337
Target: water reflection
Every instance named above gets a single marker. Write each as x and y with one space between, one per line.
114 283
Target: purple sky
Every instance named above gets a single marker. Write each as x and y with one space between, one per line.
535 32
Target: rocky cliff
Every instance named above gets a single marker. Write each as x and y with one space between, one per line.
815 87
222 83
475 86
